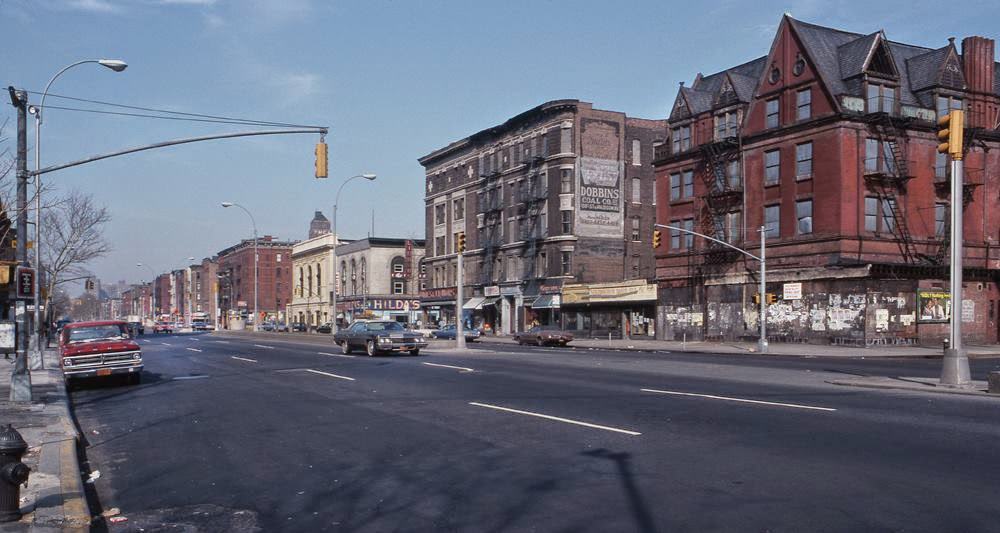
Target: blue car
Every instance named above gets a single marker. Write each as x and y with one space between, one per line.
448 332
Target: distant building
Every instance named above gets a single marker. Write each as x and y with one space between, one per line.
236 270
320 225
379 279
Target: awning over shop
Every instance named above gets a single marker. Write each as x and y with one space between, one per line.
474 303
546 301
492 300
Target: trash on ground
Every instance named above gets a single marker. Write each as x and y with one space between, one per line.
94 476
117 519
114 511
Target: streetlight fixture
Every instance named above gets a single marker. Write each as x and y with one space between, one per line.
116 65
336 239
256 259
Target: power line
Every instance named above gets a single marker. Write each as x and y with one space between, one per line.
167 111
183 119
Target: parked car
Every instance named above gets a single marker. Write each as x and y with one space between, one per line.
544 335
299 326
282 327
136 328
448 332
163 327
325 328
379 336
267 326
100 348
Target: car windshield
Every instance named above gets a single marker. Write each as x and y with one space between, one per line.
97 333
385 326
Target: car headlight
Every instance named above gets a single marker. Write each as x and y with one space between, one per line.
384 340
137 356
67 362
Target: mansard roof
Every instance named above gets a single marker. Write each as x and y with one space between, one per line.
704 94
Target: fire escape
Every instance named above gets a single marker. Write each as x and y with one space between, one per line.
722 176
491 207
887 173
532 201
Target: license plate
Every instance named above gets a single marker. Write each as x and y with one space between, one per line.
104 372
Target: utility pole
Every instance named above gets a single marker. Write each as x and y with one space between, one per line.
459 300
20 384
955 368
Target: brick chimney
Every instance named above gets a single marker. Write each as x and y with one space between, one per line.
978 66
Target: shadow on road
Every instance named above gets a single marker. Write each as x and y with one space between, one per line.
643 518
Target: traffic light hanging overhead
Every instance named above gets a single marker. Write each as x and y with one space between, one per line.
656 238
321 160
951 128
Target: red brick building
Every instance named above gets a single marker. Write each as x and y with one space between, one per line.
235 269
829 142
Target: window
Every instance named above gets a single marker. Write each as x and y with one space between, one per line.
940 219
688 224
804 160
772 221
687 177
566 181
889 214
512 227
439 248
545 145
681 139
540 265
734 224
397 266
733 174
881 98
879 157
871 213
636 190
675 186
803 104
726 125
675 235
636 152
398 287
941 169
439 213
804 216
947 103
654 191
458 209
567 222
278 256
772 113
635 229
772 167
566 259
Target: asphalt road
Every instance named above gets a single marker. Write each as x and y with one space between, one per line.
233 433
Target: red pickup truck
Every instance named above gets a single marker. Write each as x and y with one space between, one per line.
102 348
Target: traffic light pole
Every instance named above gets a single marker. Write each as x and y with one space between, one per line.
459 301
762 342
955 369
20 382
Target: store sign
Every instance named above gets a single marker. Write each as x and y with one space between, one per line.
631 291
25 278
933 306
550 289
792 291
393 304
510 291
492 290
437 294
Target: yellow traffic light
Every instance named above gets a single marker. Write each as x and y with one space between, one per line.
656 238
771 298
321 160
951 128
461 242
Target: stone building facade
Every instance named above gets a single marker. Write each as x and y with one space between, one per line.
236 276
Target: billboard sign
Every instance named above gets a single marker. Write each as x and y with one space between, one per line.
599 198
933 306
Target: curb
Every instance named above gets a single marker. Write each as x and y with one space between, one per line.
911 387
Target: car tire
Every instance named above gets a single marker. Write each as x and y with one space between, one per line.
415 352
370 348
345 348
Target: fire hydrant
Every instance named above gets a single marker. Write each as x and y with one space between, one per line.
13 473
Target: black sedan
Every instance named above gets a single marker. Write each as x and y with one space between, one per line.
379 336
544 335
449 332
325 328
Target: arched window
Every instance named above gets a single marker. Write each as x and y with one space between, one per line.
354 277
343 277
301 282
309 272
319 279
364 278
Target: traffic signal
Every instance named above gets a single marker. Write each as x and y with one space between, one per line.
461 242
771 298
88 284
321 160
656 238
951 128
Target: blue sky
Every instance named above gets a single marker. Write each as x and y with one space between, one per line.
393 80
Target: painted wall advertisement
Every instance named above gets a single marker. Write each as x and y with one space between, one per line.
934 306
599 202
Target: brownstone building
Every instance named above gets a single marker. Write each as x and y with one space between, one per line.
557 198
829 142
235 273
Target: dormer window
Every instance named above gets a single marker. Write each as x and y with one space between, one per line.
881 98
681 139
772 113
726 125
803 104
945 104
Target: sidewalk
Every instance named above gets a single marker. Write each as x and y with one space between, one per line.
799 350
54 499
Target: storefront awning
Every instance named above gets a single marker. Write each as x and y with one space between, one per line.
474 303
492 300
546 301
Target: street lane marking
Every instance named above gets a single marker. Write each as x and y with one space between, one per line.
336 355
329 374
244 359
166 344
462 368
262 346
556 418
179 378
146 341
193 349
195 339
222 342
743 400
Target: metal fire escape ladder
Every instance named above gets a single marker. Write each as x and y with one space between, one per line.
721 195
491 206
533 198
889 178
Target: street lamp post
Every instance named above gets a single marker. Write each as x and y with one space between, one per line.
36 353
336 239
762 342
256 259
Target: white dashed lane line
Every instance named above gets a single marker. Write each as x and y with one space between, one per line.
244 359
193 350
166 344
327 374
262 346
462 368
741 400
336 355
556 418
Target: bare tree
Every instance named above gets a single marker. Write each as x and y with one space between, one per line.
72 236
85 307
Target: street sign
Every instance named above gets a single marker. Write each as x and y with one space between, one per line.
25 279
